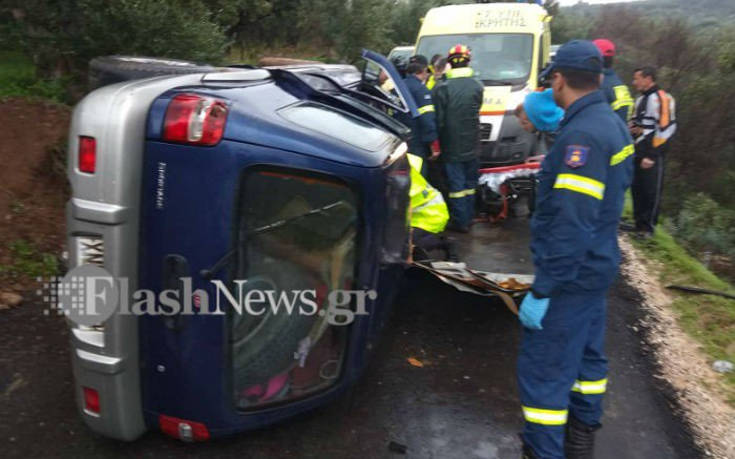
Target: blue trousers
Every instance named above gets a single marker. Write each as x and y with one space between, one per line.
462 180
562 370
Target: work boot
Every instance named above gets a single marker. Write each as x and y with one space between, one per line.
528 453
450 251
457 228
580 439
628 227
643 235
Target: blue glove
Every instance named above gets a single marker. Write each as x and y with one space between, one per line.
533 311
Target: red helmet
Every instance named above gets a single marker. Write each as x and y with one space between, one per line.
459 53
606 47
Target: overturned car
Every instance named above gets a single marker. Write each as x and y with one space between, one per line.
242 181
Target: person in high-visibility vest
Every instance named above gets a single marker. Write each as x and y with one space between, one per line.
429 213
616 92
436 71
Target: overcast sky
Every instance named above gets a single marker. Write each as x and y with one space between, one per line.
572 2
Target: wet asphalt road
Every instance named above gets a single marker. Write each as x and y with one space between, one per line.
462 404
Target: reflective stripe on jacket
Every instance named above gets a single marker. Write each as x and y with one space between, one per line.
617 95
579 199
423 128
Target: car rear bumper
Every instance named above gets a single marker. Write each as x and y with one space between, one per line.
105 207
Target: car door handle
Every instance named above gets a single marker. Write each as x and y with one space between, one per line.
175 267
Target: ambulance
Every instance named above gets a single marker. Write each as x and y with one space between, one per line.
510 44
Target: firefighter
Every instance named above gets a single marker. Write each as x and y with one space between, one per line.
458 100
562 369
429 214
617 93
424 139
653 125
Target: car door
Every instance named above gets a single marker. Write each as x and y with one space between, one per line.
382 83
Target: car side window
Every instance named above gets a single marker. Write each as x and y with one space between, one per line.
378 82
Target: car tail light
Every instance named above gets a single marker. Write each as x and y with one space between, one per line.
183 429
87 154
195 119
91 401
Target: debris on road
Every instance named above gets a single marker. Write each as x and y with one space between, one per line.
701 291
17 383
459 276
723 366
9 300
397 447
415 362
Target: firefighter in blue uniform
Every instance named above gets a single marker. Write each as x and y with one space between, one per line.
562 369
424 140
616 92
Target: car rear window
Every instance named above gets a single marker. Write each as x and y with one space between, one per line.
339 125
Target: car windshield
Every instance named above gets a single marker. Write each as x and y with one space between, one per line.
497 58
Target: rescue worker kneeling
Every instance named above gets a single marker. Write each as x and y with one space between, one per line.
562 368
429 214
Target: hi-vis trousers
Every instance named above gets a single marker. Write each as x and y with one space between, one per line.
562 370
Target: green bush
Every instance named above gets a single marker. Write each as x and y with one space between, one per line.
18 79
63 36
705 226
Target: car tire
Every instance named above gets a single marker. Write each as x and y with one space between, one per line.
106 70
268 349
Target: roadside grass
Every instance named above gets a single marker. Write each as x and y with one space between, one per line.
18 79
28 261
709 319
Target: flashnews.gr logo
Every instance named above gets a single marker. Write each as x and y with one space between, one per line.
89 295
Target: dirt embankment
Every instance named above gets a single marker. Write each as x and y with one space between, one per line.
33 187
681 362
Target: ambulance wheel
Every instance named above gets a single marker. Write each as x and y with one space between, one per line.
264 346
106 70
